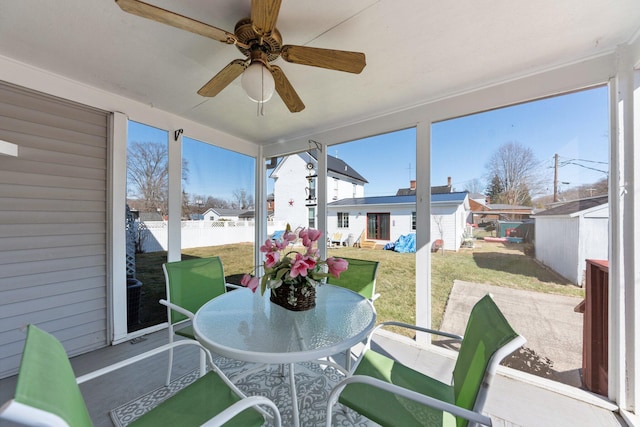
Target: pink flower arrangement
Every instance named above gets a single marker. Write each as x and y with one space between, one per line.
283 265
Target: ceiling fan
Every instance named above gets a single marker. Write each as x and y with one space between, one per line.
261 43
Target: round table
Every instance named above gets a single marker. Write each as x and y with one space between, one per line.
247 326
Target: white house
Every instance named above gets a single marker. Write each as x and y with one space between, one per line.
385 218
567 235
222 214
295 186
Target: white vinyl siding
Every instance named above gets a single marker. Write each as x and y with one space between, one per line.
53 248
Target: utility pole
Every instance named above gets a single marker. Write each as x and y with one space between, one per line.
555 178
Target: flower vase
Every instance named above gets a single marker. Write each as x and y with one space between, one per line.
295 297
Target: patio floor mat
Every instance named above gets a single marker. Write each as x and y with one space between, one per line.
313 383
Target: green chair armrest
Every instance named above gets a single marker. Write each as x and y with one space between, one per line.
409 394
418 328
107 369
177 308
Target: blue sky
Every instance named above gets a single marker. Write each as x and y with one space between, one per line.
574 126
213 171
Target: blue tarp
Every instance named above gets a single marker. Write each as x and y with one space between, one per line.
277 235
404 244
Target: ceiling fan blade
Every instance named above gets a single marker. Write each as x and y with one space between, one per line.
224 77
340 60
285 90
164 16
264 14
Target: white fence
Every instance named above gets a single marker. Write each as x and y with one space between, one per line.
153 235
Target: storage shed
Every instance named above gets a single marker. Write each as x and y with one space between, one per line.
566 235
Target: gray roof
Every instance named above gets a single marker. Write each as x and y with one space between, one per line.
335 165
227 212
438 189
150 216
575 206
385 200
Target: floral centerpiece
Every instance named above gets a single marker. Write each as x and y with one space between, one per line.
293 275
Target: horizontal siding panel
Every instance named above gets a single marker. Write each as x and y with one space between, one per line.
27 268
14 337
49 181
23 294
42 143
53 222
33 217
43 278
38 230
21 97
62 300
35 192
53 120
23 130
13 164
45 254
92 309
19 204
77 340
61 158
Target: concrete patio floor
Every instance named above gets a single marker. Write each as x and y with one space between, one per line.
549 323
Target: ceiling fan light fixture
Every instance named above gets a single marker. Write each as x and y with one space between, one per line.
258 82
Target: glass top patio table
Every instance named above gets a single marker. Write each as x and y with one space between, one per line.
249 327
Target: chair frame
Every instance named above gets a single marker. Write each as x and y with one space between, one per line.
25 414
190 316
475 416
374 296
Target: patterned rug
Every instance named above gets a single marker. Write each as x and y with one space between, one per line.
313 384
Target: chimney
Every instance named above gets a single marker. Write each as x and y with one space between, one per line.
448 181
412 184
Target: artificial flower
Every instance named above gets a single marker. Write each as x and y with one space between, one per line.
284 265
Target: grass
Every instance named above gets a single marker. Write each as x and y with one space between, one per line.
499 264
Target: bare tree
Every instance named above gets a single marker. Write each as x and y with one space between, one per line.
242 199
514 169
215 202
147 174
474 186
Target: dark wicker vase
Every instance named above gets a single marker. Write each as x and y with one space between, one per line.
287 293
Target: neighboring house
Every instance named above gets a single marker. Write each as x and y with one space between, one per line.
385 218
296 183
438 189
222 214
567 235
482 211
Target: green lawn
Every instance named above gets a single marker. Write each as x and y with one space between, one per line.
493 263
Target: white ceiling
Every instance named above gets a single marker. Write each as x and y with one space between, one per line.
416 50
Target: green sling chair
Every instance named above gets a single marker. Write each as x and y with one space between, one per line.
47 392
360 277
392 394
190 284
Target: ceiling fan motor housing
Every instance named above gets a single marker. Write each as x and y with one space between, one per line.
271 44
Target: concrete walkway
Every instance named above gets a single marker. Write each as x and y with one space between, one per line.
552 329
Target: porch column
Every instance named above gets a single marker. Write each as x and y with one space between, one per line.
624 196
423 229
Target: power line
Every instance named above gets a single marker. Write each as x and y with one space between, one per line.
583 166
